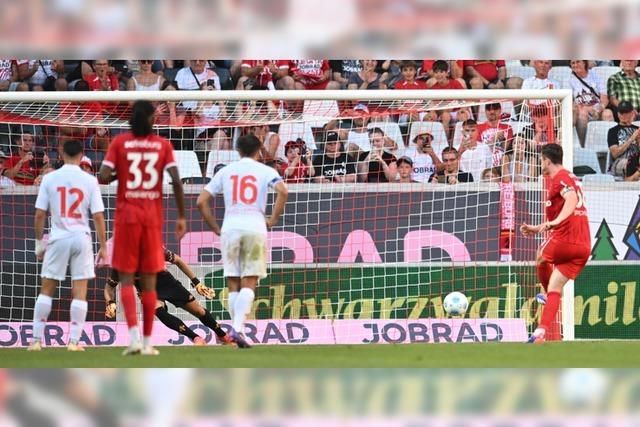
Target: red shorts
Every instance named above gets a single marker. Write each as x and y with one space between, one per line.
137 249
568 258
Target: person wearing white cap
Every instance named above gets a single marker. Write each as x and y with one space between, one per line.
86 165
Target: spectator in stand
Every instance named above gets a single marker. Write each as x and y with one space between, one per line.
492 175
390 67
145 79
451 174
5 182
589 98
541 79
21 87
456 71
405 170
41 72
425 160
442 81
495 134
86 165
298 167
623 139
61 85
633 168
312 74
209 138
102 79
624 86
334 165
45 170
82 71
368 77
193 77
486 74
23 167
542 131
377 165
520 161
8 73
343 70
475 156
259 74
357 134
409 71
271 151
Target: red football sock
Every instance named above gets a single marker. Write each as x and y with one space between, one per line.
149 299
550 310
544 274
128 298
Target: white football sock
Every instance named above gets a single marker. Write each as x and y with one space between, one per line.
244 301
232 302
40 315
134 335
78 316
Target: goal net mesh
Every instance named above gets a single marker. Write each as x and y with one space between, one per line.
407 201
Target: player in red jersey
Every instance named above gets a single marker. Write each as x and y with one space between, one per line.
139 159
564 253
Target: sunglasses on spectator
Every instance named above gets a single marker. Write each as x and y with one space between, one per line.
146 61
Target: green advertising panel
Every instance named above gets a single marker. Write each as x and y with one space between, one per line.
607 303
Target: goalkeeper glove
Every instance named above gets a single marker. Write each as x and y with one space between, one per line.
203 290
110 311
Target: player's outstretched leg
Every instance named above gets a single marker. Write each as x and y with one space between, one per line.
174 323
241 309
207 319
41 312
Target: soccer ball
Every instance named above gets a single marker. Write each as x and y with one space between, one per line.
456 304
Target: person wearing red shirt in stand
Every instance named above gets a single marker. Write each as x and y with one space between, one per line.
102 79
456 71
442 81
261 73
312 74
139 159
299 167
564 253
408 82
486 74
23 168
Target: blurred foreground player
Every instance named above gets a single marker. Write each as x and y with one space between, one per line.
69 194
243 236
139 159
169 289
564 253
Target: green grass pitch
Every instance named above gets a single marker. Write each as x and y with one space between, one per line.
550 355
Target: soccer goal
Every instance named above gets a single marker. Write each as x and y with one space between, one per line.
380 224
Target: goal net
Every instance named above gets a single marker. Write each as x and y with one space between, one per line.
397 198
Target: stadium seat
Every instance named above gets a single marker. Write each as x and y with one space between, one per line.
220 157
434 128
507 109
596 139
390 129
604 72
170 74
188 165
598 177
292 130
522 71
562 75
319 113
585 157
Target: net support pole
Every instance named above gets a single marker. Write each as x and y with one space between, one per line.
568 295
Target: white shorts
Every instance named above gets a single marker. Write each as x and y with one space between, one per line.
74 251
244 253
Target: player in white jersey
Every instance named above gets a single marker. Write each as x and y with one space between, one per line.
69 194
245 185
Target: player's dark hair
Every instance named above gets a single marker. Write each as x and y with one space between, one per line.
140 121
72 147
552 152
248 145
440 65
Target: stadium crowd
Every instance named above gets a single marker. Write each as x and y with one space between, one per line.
466 144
